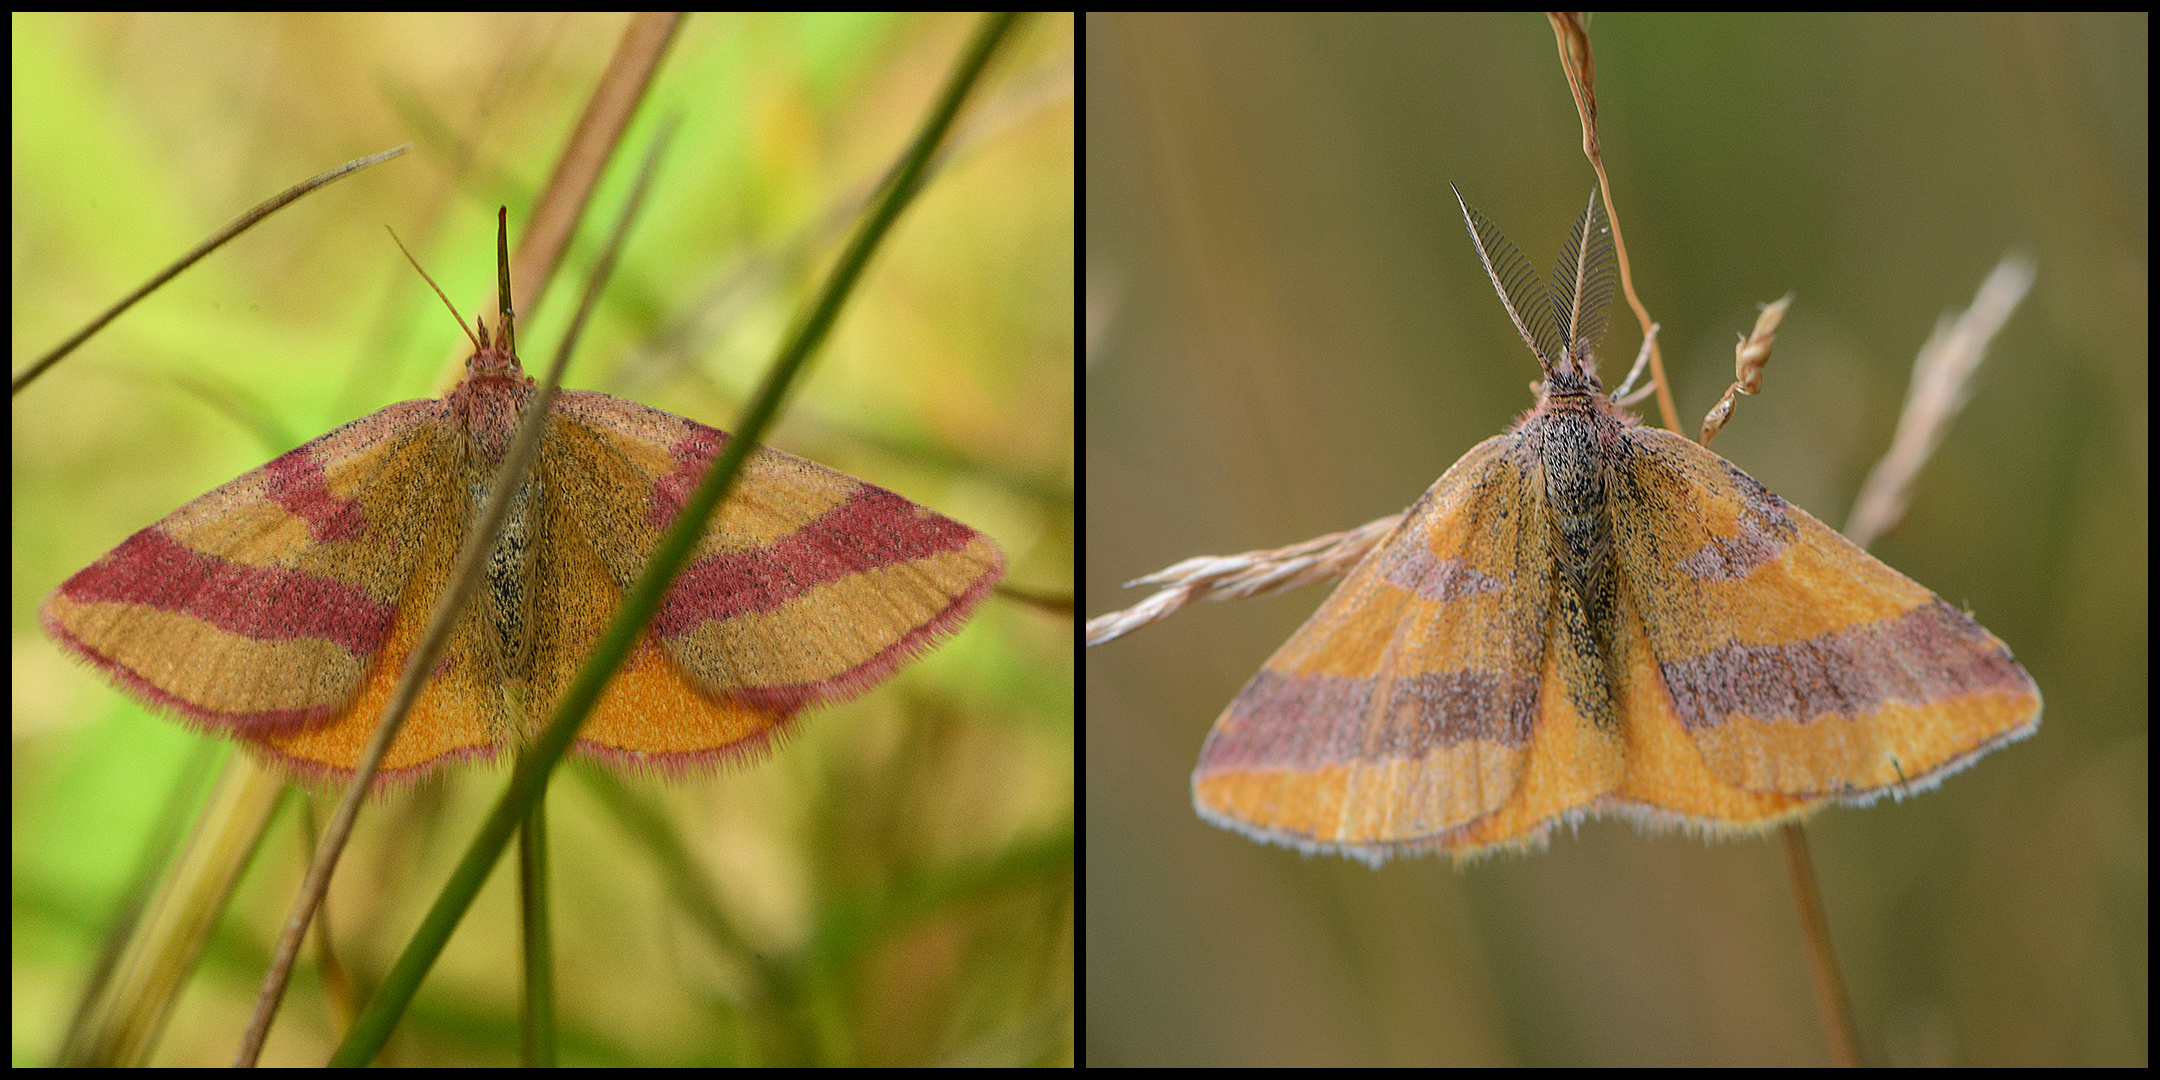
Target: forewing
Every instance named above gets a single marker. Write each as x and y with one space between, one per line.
1403 708
262 605
1796 662
809 586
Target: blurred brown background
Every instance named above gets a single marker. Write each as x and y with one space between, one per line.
1288 334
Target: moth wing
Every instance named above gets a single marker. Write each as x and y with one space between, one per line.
1402 711
1795 662
809 586
262 605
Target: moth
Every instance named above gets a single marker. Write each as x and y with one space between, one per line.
1589 616
280 607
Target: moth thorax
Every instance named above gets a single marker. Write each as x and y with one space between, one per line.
1570 451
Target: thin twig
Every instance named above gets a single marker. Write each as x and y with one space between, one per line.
1235 577
1941 374
216 240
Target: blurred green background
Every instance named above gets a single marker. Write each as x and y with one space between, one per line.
1288 335
899 852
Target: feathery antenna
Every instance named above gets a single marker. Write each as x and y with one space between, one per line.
1562 323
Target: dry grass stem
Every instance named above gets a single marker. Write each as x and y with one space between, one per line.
1750 356
1235 577
1941 375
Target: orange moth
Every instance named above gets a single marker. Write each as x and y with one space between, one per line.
1587 616
280 607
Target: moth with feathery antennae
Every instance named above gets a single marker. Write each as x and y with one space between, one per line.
1587 616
